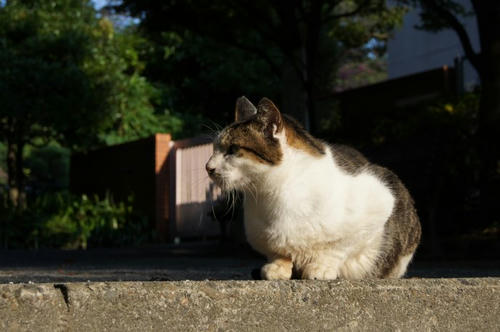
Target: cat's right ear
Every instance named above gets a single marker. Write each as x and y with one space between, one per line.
244 109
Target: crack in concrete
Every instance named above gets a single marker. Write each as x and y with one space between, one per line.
64 292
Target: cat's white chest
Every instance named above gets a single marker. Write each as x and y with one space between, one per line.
308 201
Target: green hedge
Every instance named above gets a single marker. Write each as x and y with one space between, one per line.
63 220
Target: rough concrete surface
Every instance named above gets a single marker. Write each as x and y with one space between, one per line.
147 289
469 304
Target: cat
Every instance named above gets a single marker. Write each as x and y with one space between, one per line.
322 210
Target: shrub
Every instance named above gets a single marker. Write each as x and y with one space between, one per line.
62 220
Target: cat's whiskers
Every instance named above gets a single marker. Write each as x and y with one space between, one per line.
233 195
228 195
252 190
229 200
214 132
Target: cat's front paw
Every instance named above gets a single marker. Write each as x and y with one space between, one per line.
319 272
275 271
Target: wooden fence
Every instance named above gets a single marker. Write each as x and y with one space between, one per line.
166 178
193 194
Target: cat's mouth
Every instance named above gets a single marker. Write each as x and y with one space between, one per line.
221 182
217 179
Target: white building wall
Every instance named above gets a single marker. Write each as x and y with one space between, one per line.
412 51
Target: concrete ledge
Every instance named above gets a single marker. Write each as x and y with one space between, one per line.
384 305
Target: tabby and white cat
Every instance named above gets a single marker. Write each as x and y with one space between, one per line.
322 210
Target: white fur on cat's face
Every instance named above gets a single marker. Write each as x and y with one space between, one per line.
248 148
233 170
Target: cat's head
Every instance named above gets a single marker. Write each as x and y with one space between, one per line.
249 147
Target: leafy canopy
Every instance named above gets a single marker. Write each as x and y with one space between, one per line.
69 76
209 52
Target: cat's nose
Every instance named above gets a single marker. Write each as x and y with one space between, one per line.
209 169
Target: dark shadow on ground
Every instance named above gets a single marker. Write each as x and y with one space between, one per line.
188 261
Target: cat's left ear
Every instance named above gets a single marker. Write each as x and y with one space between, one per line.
244 109
269 114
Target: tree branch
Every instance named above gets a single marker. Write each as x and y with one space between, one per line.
331 6
455 24
356 11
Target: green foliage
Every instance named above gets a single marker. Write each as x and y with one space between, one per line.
198 78
47 167
45 47
134 101
442 137
361 72
376 20
448 121
70 77
207 54
67 221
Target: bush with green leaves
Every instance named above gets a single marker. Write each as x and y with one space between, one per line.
62 220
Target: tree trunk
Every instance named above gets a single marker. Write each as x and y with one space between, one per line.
311 124
16 181
293 95
311 49
488 146
488 18
302 55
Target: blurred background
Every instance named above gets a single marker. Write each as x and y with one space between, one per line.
107 109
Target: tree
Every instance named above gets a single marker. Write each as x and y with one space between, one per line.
66 76
297 39
42 80
437 15
361 70
197 78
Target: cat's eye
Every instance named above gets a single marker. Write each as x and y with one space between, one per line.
233 148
